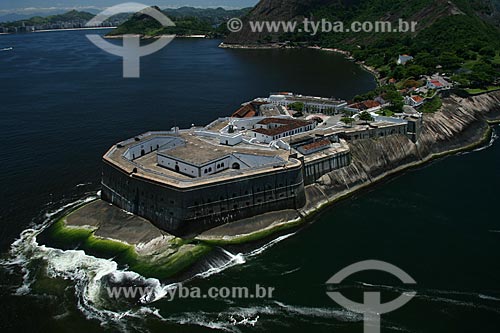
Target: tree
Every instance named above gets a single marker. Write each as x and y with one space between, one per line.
365 116
347 120
296 106
488 51
415 71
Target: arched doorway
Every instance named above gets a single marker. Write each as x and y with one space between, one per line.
177 169
236 166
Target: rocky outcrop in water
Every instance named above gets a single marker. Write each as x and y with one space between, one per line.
461 123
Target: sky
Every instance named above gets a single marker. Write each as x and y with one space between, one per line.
27 6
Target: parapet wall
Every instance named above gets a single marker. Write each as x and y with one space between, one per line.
316 169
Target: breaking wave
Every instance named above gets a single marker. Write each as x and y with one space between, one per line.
91 276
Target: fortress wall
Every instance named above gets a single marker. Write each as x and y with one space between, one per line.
316 169
188 211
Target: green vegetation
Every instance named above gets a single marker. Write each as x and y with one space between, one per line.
480 91
385 113
347 120
464 45
432 105
180 255
188 21
297 106
365 116
389 93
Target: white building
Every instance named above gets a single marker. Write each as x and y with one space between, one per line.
272 129
414 101
311 104
438 82
403 59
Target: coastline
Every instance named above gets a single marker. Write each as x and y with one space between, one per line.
55 30
106 231
344 53
319 198
73 29
160 36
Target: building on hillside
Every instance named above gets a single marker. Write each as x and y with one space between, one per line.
403 59
248 110
414 101
368 106
438 82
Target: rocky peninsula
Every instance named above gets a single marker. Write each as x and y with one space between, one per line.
461 124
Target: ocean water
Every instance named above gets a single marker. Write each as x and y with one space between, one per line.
63 103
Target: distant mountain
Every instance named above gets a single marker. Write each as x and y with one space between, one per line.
188 21
425 12
72 15
27 14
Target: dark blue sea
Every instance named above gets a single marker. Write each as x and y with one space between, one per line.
63 103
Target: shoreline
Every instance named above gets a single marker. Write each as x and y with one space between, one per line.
56 30
160 36
307 214
347 55
73 29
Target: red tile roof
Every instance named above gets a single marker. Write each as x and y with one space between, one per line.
248 110
288 125
371 104
417 99
283 121
317 144
437 83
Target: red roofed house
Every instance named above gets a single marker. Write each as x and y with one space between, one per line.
248 110
438 83
314 147
414 101
272 129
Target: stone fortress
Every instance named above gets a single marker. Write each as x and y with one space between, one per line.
257 161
